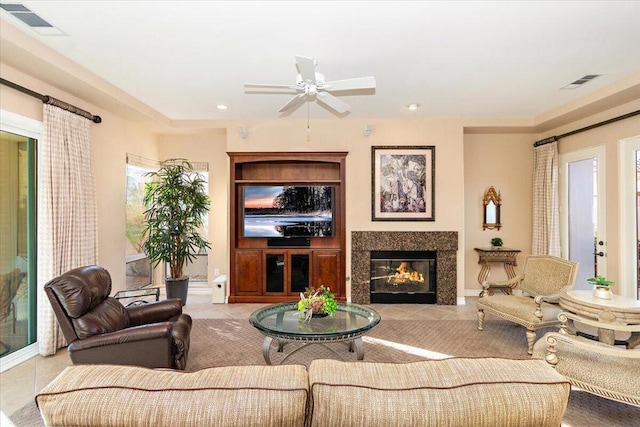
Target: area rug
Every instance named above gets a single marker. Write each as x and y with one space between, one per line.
236 342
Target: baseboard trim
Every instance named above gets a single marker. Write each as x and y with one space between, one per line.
19 356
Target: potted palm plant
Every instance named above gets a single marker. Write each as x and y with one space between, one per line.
176 202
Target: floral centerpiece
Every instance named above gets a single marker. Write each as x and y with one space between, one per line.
319 302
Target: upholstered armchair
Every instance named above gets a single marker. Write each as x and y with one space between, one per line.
541 282
597 368
100 330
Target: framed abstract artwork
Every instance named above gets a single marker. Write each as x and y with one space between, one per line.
403 183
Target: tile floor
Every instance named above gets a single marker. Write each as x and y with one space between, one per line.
20 384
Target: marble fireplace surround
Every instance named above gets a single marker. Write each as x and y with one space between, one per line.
444 243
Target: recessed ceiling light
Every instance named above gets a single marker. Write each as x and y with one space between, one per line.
222 107
413 106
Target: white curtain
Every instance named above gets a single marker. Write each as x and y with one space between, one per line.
546 215
67 223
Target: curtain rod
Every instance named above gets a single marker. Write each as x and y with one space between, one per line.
52 101
586 128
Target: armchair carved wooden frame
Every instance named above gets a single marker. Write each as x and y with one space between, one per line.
599 368
543 279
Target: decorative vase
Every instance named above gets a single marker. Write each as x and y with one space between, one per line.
602 292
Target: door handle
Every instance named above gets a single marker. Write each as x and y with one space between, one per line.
599 253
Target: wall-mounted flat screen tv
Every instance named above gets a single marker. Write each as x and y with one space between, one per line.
287 210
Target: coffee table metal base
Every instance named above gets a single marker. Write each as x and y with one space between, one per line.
284 324
356 344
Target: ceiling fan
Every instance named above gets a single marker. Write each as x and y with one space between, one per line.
311 85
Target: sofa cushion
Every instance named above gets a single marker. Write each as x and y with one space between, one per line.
101 395
462 392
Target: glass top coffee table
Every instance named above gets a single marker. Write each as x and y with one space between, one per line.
284 323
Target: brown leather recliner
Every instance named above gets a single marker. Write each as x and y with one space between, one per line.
100 330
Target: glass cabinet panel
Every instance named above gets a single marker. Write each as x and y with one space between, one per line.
299 272
274 271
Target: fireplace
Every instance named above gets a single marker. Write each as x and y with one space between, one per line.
403 277
444 244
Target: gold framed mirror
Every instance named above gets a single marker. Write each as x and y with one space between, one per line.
491 207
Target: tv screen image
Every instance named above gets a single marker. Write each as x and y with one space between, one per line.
287 211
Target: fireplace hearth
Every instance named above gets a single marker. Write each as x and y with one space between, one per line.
403 277
443 243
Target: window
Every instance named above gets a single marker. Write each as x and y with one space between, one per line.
138 271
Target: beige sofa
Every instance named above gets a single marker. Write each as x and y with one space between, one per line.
461 392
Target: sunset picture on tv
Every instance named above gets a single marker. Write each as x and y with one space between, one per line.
288 211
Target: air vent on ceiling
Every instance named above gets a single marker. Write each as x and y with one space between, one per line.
580 81
28 17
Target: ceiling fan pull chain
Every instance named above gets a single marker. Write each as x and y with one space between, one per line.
308 128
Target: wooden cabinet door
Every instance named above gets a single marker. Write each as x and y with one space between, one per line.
248 272
326 270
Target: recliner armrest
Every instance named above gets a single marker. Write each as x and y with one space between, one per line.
137 333
160 311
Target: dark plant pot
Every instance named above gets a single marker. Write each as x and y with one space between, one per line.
177 288
314 314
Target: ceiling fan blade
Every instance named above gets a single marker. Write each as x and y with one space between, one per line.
307 68
333 102
293 103
259 85
350 84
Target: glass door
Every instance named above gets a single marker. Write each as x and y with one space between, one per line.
17 242
637 223
629 223
583 201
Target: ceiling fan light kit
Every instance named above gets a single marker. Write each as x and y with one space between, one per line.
312 86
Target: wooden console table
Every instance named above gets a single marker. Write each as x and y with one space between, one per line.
506 256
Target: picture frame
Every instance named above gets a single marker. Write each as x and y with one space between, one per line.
403 183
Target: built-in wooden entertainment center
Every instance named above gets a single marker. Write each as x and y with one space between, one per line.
270 270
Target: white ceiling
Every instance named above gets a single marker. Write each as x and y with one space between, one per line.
504 59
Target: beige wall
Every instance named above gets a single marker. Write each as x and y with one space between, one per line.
111 140
608 136
465 166
208 147
347 135
506 163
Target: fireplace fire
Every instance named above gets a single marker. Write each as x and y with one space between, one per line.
404 274
403 277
